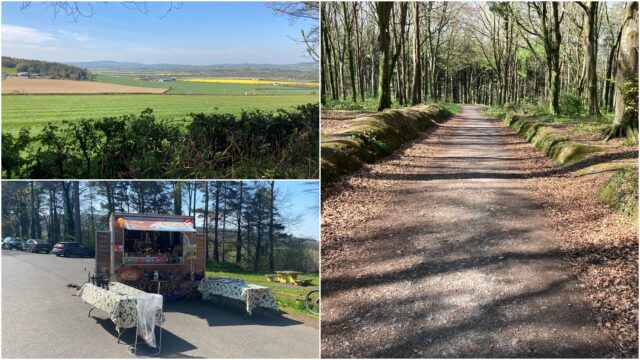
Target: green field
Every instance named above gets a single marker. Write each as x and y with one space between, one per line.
8 71
35 111
190 88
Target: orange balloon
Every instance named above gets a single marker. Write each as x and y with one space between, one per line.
121 221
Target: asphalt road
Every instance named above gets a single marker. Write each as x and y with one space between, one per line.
42 318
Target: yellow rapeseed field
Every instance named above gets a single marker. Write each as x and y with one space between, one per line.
250 82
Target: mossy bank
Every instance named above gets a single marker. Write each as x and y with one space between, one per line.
369 138
557 147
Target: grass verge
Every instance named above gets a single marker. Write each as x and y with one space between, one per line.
371 137
289 298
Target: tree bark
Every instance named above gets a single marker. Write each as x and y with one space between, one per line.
76 212
239 226
352 71
216 254
625 121
206 221
416 97
271 215
590 47
383 10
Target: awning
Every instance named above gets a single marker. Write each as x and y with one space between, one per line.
154 225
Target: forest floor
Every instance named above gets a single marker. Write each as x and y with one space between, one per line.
468 242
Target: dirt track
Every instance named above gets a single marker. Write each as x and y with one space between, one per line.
440 250
47 86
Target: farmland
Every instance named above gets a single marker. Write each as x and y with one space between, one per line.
205 86
35 111
48 86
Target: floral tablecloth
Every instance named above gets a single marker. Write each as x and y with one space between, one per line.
119 302
253 295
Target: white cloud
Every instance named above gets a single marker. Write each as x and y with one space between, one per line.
77 36
23 34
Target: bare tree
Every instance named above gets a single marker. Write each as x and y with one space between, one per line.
302 10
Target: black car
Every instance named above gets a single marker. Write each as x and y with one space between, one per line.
37 245
66 248
12 243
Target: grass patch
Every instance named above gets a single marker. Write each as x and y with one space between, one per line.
35 111
604 167
620 192
289 298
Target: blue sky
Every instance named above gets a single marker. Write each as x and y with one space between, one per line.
198 33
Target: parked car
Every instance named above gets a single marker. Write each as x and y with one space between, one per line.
37 245
12 243
67 248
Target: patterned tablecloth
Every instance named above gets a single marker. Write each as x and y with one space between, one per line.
119 302
253 295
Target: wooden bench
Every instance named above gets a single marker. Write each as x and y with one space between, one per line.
272 277
303 282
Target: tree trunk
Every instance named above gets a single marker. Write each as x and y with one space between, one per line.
69 228
177 198
33 215
383 10
625 121
239 226
206 221
224 224
76 212
352 71
416 97
216 254
554 79
361 67
271 214
590 46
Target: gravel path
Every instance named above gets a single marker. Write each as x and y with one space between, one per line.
440 250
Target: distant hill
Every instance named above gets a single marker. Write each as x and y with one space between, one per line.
44 69
300 71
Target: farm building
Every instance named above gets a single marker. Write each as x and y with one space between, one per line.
167 79
146 251
22 74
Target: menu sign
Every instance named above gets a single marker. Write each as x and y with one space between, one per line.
147 225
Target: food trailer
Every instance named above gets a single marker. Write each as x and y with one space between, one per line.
153 253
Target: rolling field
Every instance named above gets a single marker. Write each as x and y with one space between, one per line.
211 88
250 81
48 86
35 111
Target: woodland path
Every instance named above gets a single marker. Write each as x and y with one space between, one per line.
449 255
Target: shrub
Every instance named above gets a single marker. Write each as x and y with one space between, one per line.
570 104
281 144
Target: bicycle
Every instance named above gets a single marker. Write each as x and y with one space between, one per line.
312 301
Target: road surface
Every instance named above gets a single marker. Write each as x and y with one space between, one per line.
41 318
440 251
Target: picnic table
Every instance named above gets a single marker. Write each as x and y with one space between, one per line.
252 295
120 302
288 276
